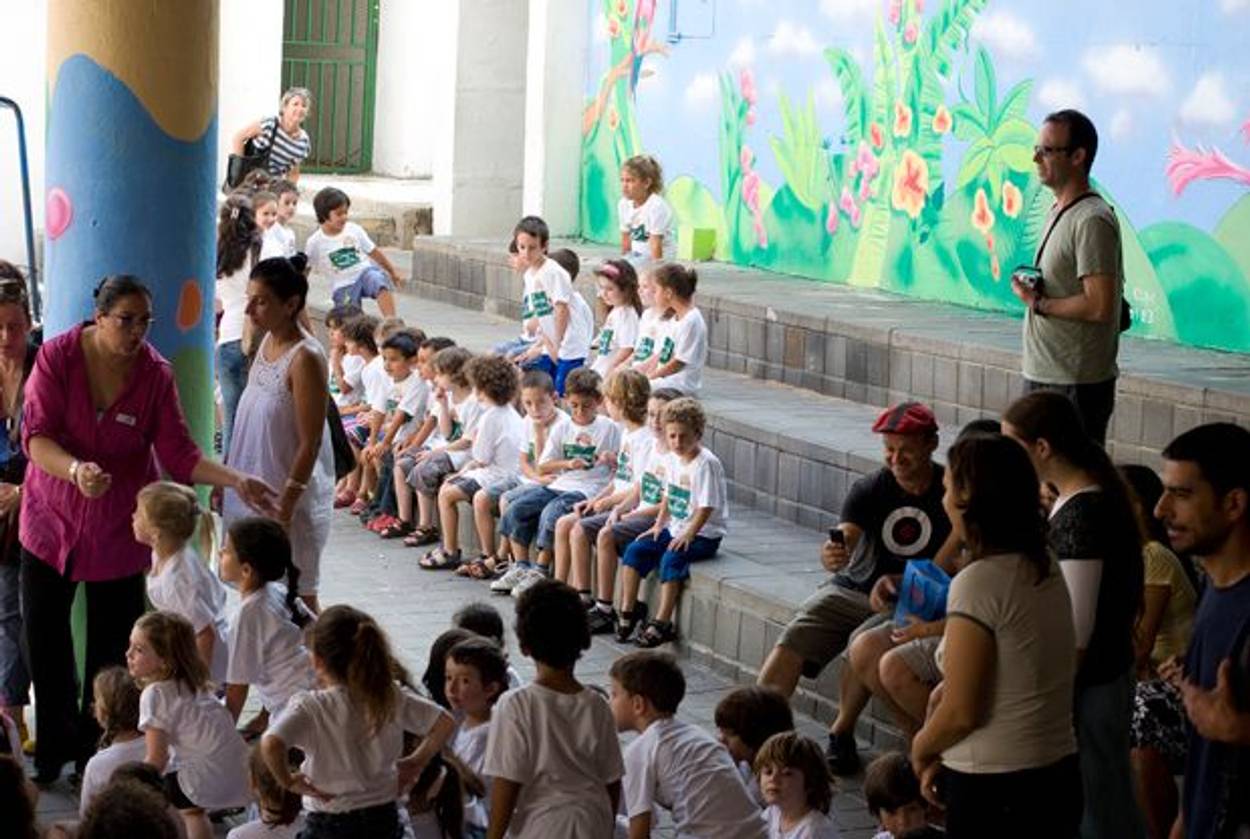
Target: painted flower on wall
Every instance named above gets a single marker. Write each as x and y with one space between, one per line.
894 11
911 184
942 121
982 215
831 220
746 84
876 135
910 33
614 118
622 8
848 206
902 119
614 27
1013 199
747 158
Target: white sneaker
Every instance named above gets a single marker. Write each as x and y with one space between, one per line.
531 578
510 578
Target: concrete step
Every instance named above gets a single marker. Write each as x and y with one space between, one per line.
393 211
878 348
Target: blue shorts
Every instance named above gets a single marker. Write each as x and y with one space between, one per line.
644 554
514 347
371 282
557 370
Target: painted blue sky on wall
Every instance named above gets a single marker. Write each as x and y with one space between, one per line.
1149 73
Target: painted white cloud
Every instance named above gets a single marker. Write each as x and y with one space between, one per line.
850 11
1006 35
1121 124
600 32
1230 7
792 39
703 91
1127 69
743 54
1209 103
1055 94
828 94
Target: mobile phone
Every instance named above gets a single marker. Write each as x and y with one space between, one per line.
836 536
1029 276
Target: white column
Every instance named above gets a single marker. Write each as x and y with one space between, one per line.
415 48
250 58
559 46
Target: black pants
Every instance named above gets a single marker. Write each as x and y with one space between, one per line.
66 729
1093 402
381 821
1042 803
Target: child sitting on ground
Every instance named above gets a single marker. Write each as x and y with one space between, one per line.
266 633
797 787
494 456
614 531
646 218
620 307
552 751
281 811
683 345
625 394
351 731
692 520
338 249
576 455
674 764
116 708
484 619
745 718
180 581
894 799
476 676
178 714
456 410
345 367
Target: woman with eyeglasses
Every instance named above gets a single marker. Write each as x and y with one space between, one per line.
16 358
101 410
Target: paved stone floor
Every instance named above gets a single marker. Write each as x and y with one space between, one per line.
415 606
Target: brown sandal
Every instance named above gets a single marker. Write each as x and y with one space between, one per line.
425 535
478 569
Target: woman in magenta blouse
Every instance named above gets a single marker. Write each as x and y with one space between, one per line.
101 412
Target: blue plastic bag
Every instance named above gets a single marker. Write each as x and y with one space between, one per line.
922 595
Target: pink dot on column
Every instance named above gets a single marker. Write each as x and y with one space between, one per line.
59 212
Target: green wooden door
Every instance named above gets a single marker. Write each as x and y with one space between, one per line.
331 48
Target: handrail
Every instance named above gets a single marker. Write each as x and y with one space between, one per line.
36 303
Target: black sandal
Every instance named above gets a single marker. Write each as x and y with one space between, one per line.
627 622
426 534
655 634
440 560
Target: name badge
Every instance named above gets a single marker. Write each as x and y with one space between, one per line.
126 419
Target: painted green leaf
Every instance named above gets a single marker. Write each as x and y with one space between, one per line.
985 87
1016 102
1233 232
800 154
947 31
694 205
851 81
1205 288
975 162
968 123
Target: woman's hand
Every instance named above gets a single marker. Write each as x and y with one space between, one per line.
257 494
409 770
91 480
10 498
928 775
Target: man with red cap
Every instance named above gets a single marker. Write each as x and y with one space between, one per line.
889 517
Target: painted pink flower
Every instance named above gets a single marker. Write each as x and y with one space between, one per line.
614 118
852 169
902 119
1245 130
622 8
982 215
1187 165
751 190
761 235
614 27
894 12
876 135
865 189
831 220
1013 199
866 162
942 121
911 184
751 116
856 217
846 202
746 157
910 32
919 4
746 84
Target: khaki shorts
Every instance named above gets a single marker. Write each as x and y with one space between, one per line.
825 625
920 655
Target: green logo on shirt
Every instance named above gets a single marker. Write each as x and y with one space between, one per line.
623 471
584 452
638 233
646 346
456 430
652 488
344 258
666 350
539 305
605 340
679 501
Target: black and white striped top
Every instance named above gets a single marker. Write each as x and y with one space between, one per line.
288 151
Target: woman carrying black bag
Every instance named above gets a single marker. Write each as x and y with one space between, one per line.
279 143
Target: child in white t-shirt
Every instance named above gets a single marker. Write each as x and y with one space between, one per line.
494 454
116 708
797 786
476 676
407 402
365 387
651 327
351 731
165 518
281 811
621 305
383 385
182 721
576 457
552 751
625 393
689 526
279 238
337 249
675 764
345 367
745 718
265 205
424 429
683 344
266 633
646 218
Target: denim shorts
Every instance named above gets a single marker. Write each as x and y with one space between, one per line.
645 554
370 283
525 509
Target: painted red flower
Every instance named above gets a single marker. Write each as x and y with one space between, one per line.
942 121
1013 200
622 8
894 11
911 184
614 27
614 118
982 215
746 157
876 135
902 119
910 33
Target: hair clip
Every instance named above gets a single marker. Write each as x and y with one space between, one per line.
234 213
608 270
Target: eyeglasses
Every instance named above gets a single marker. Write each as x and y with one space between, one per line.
132 322
1047 151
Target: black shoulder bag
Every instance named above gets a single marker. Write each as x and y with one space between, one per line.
1126 311
238 165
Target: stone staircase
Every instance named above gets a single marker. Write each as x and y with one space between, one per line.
797 372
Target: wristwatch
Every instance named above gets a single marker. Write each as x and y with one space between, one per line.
1037 306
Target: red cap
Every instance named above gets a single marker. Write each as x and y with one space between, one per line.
906 418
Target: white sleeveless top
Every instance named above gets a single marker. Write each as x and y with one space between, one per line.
264 443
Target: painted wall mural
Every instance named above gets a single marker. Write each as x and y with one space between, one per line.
888 143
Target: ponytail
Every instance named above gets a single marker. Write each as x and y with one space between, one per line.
453 781
264 545
208 534
356 653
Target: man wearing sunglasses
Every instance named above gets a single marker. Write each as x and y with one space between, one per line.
1075 288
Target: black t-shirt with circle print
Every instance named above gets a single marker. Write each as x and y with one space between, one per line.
897 526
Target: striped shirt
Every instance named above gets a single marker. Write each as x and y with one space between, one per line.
287 152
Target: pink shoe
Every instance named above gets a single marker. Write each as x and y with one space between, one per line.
358 506
344 499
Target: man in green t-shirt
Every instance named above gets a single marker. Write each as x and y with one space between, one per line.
1072 326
